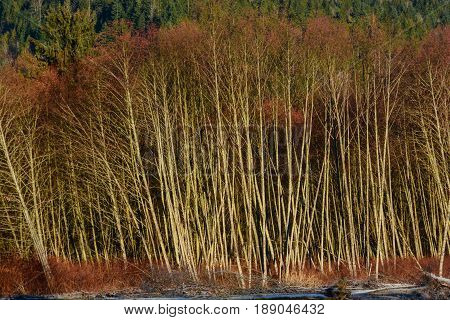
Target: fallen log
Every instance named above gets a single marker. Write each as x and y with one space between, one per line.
443 281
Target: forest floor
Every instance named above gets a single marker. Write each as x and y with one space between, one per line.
404 279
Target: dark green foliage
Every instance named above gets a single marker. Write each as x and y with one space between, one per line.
66 35
20 19
173 10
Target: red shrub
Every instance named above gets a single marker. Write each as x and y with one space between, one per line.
327 37
436 48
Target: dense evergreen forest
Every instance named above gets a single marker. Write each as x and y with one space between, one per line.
21 21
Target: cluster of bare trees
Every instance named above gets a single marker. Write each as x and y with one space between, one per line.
178 161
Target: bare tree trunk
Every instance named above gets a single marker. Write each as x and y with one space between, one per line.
14 175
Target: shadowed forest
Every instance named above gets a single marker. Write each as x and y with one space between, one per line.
259 141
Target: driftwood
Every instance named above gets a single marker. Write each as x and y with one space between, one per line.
389 289
441 280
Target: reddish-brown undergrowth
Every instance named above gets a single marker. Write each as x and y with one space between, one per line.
405 270
25 276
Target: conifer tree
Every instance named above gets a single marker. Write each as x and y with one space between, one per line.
66 35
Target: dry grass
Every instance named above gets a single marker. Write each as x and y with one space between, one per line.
25 277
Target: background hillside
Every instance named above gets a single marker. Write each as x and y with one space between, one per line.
21 20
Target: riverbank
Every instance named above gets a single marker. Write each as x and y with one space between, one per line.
355 291
400 279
